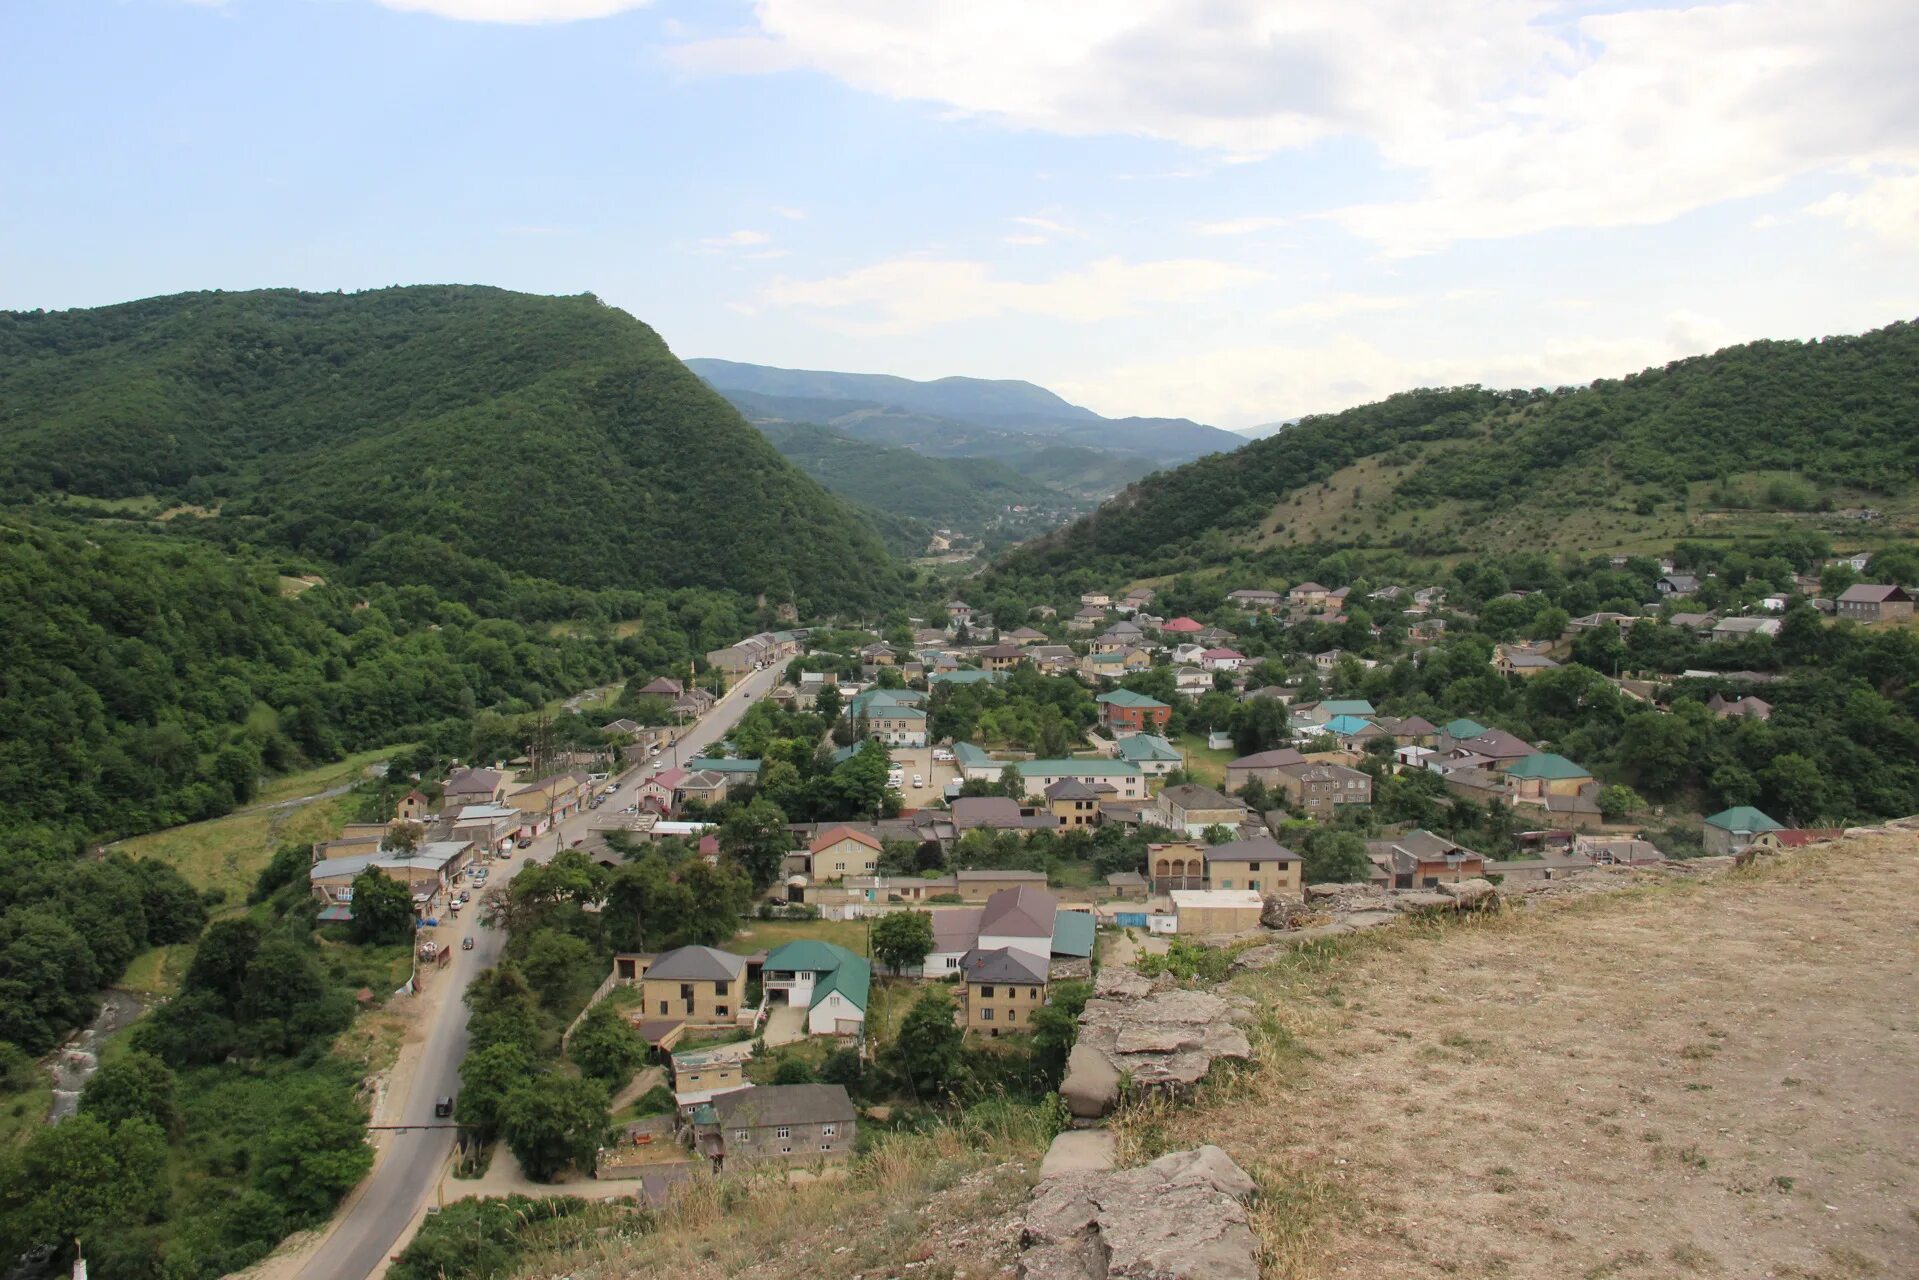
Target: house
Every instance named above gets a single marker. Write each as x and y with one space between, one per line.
1127 782
843 852
1087 619
1863 602
491 827
1421 860
1733 830
543 803
1307 595
428 872
1128 886
1149 753
958 613
1352 731
623 728
1192 681
663 687
1327 659
1096 599
1413 731
1261 864
1454 732
1191 808
1119 636
1496 745
1733 708
1509 662
776 1123
704 787
701 1075
698 985
413 807
1202 911
897 725
1677 584
1074 805
1261 766
1730 629
1213 637
879 655
1025 635
1182 626
970 675
1004 987
1223 659
1052 658
1318 789
1544 774
1257 599
1123 711
1180 864
1002 657
828 981
1022 918
997 813
472 786
1697 623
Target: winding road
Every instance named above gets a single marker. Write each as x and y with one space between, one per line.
411 1162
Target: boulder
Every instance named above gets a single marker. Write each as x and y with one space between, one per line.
1091 1083
1166 1039
1182 1217
1470 895
1079 1151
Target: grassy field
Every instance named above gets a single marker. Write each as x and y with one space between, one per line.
157 971
767 934
228 853
1203 762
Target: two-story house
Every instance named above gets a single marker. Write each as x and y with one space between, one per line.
1004 988
1319 789
697 985
777 1123
1123 711
1262 864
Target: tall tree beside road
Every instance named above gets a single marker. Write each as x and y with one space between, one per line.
902 939
382 908
605 1046
552 1122
928 1053
487 1076
755 836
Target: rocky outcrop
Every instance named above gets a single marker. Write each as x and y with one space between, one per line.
1152 1033
1182 1217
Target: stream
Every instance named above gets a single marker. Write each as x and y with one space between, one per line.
75 1062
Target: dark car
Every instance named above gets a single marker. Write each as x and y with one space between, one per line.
466 945
443 1108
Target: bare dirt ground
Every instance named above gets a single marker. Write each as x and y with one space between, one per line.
1716 1079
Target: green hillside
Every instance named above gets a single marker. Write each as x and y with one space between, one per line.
970 495
1767 433
425 433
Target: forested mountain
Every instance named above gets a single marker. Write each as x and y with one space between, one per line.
969 417
973 495
1784 426
424 434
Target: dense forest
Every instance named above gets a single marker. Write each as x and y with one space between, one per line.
1840 413
969 495
556 438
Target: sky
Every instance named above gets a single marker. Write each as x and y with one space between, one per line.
1230 211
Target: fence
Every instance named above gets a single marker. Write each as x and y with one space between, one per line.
599 994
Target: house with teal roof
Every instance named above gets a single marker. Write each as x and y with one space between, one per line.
1149 753
1456 731
831 983
1122 711
1347 707
967 675
734 769
1735 829
1545 774
1352 727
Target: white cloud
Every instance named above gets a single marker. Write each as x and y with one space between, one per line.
1887 206
1243 385
789 211
1507 116
520 11
1340 304
1044 224
1240 226
1025 240
905 295
736 240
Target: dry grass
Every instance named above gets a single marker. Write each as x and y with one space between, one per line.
1710 1079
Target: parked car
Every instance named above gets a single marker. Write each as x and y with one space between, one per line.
525 842
466 944
919 783
942 756
444 1107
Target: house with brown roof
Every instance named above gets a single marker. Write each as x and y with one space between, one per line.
795 1124
1307 595
843 852
1735 708
1869 602
473 786
1421 860
1191 808
1004 987
1002 657
1262 864
1319 789
702 986
1074 804
1261 766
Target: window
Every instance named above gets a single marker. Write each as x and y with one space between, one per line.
1012 1015
720 1010
986 993
783 1132
787 1150
719 988
829 1131
826 1146
662 1007
740 1135
985 1015
686 992
1253 866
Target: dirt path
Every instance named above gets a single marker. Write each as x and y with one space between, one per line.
1711 1080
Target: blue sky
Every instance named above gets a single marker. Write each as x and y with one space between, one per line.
1224 209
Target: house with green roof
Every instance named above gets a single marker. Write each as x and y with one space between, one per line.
735 770
1456 731
967 675
875 701
831 983
1347 707
1122 711
1149 753
1735 829
1110 779
1543 774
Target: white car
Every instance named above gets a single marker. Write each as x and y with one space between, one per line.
942 756
919 783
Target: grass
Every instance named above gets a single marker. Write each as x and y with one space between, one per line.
1203 762
767 934
157 971
227 854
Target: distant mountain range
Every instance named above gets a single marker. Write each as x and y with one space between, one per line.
1264 429
1015 422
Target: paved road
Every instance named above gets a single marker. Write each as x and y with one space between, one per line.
410 1163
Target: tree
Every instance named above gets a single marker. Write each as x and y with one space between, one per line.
221 960
792 1071
902 939
136 1087
315 1151
382 909
554 1122
1332 856
755 836
80 1176
1616 801
1797 786
556 963
928 1052
1012 784
605 1046
826 703
843 1067
487 1076
403 838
